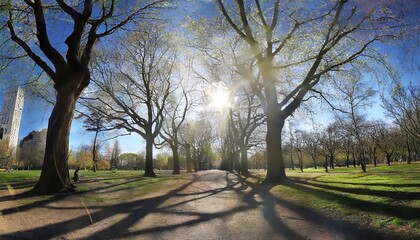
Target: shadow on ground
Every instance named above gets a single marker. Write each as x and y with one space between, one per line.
247 189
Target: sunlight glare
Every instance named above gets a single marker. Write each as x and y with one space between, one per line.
220 98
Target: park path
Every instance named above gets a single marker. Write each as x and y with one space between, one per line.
204 205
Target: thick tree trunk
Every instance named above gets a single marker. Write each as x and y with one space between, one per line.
149 156
363 161
275 161
188 157
244 160
55 171
331 162
175 158
388 159
236 158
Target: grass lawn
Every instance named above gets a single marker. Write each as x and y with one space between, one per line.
383 197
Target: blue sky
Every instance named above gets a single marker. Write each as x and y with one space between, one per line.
36 113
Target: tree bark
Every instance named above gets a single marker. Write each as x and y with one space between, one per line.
55 171
331 161
149 156
275 161
244 161
175 158
188 157
388 159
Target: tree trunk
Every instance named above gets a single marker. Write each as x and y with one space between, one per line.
275 161
244 160
363 161
188 157
149 156
326 164
347 159
354 157
374 156
236 158
94 151
291 157
388 159
55 171
314 159
331 161
175 158
409 150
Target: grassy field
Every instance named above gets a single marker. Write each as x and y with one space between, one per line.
384 198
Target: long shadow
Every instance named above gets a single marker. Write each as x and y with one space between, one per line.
375 184
396 195
17 185
136 210
58 196
132 208
269 206
343 229
403 212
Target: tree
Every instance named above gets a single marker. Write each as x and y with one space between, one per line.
330 142
312 43
175 112
28 24
311 144
403 105
386 139
246 117
131 87
115 155
83 157
132 160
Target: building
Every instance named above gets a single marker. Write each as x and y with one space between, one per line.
32 149
10 117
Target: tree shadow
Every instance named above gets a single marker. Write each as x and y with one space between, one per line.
341 228
396 195
249 190
321 191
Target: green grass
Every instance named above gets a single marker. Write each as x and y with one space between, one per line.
19 176
383 197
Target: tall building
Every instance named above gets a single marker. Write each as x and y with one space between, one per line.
10 116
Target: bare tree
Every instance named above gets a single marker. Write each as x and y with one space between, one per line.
175 112
312 43
403 104
115 155
245 118
29 24
131 88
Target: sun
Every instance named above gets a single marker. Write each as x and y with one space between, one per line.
220 98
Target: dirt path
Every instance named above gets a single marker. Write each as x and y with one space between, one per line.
204 205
